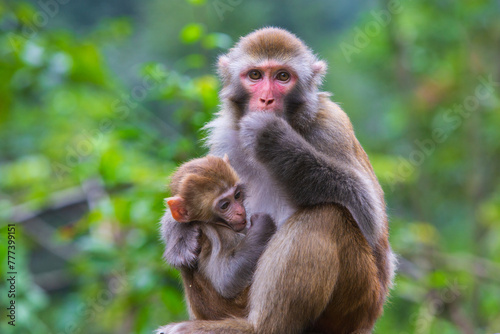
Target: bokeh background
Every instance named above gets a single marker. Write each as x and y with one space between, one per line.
100 100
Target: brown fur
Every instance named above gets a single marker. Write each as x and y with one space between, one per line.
276 45
199 182
204 302
319 272
318 243
211 174
218 286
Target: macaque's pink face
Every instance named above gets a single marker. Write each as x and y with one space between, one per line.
268 84
229 206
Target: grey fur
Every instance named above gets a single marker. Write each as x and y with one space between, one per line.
230 261
296 158
307 175
305 168
233 257
181 241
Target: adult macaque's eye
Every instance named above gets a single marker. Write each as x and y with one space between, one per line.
283 76
237 195
254 75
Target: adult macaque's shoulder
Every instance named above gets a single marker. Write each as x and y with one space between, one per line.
331 114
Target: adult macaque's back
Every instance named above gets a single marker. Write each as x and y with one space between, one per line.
329 266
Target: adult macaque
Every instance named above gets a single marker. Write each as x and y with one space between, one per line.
208 196
329 266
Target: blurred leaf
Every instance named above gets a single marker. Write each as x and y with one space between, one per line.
192 33
197 2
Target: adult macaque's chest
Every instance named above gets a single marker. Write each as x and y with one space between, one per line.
264 195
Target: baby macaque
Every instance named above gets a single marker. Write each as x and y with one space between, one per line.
208 196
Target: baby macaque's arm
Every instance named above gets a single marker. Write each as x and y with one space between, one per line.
232 271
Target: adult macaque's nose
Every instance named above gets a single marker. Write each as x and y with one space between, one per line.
266 102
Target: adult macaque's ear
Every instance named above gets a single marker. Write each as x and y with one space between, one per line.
223 62
226 158
178 209
223 68
319 68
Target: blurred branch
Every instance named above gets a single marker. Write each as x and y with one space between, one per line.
91 192
96 194
458 317
57 201
53 280
482 268
38 229
409 268
43 233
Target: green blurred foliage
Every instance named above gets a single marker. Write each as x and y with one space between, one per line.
95 116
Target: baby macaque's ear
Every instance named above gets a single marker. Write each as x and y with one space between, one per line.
226 158
178 209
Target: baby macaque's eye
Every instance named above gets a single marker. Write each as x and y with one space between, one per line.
237 195
224 205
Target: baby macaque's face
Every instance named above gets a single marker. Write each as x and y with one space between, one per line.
229 207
